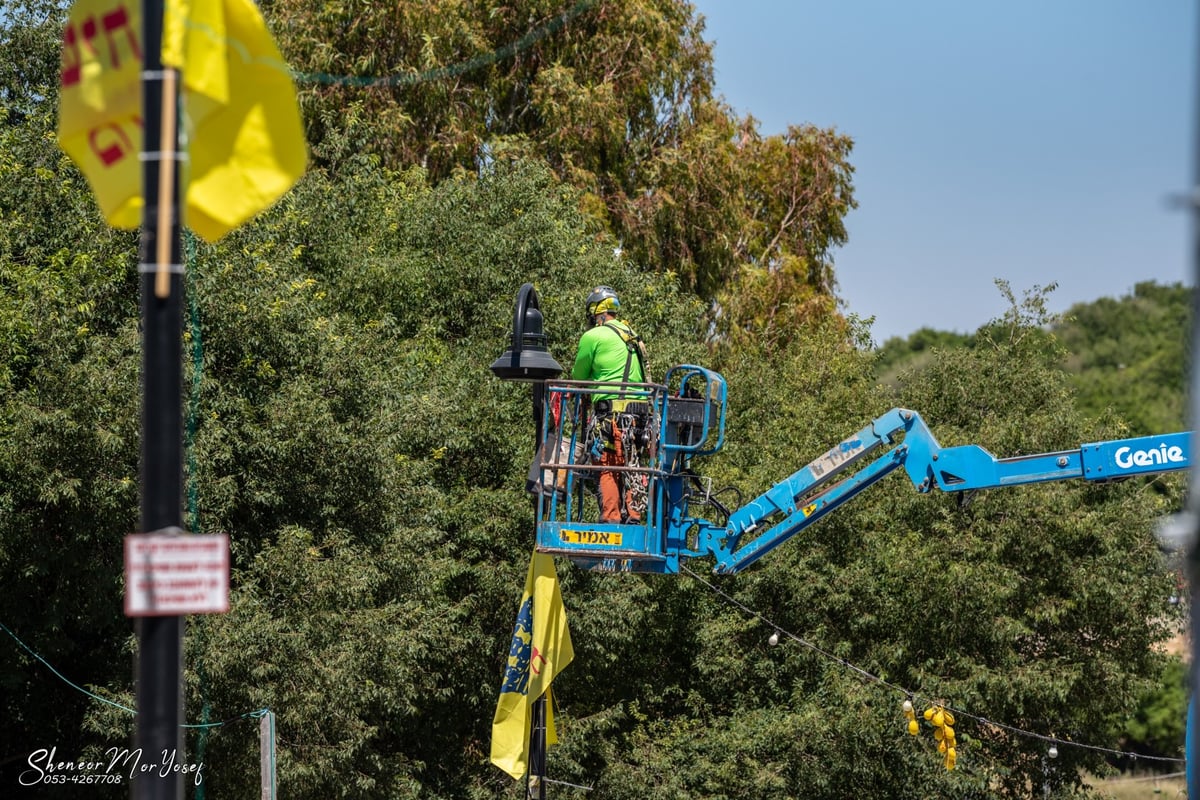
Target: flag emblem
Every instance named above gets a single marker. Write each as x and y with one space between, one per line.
516 675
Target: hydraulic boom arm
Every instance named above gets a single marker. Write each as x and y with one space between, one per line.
793 504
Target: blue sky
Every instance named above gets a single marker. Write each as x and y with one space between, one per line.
1032 141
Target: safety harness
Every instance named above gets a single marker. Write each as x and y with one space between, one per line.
635 346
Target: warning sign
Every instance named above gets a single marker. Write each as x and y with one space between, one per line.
170 574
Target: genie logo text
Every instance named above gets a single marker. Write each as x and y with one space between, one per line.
1128 457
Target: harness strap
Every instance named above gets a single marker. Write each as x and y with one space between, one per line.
633 350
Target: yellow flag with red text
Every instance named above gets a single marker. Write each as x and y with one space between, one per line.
241 125
541 648
100 105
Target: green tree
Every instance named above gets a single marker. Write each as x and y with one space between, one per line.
899 354
30 33
1041 589
369 467
1129 355
68 429
1126 356
1157 727
615 95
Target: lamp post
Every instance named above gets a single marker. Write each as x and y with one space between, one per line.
528 361
158 675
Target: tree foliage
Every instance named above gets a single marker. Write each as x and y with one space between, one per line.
344 429
615 95
68 421
1129 355
1126 356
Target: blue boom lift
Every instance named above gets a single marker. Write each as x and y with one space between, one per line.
685 418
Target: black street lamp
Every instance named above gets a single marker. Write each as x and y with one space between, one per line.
527 360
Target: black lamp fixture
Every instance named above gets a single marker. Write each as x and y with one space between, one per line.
527 359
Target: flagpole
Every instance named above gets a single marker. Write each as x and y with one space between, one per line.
528 361
158 669
537 725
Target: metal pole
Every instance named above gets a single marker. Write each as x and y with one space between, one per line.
537 725
1192 517
537 750
158 671
266 755
529 361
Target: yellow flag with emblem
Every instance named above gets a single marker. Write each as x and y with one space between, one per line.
242 131
541 648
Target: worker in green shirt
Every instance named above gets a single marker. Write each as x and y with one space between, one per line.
610 352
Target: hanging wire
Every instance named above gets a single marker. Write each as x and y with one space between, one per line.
60 676
262 712
248 715
1145 778
564 783
958 712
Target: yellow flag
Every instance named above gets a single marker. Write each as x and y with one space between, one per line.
241 125
246 141
541 648
100 107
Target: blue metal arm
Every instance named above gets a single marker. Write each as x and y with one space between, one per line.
806 496
956 469
688 417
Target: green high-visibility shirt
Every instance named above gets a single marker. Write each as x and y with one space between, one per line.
602 356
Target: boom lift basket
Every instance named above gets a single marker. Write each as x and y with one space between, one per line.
678 419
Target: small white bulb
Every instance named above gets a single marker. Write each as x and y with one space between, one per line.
774 640
907 706
1052 752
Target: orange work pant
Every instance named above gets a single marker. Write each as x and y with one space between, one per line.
610 490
